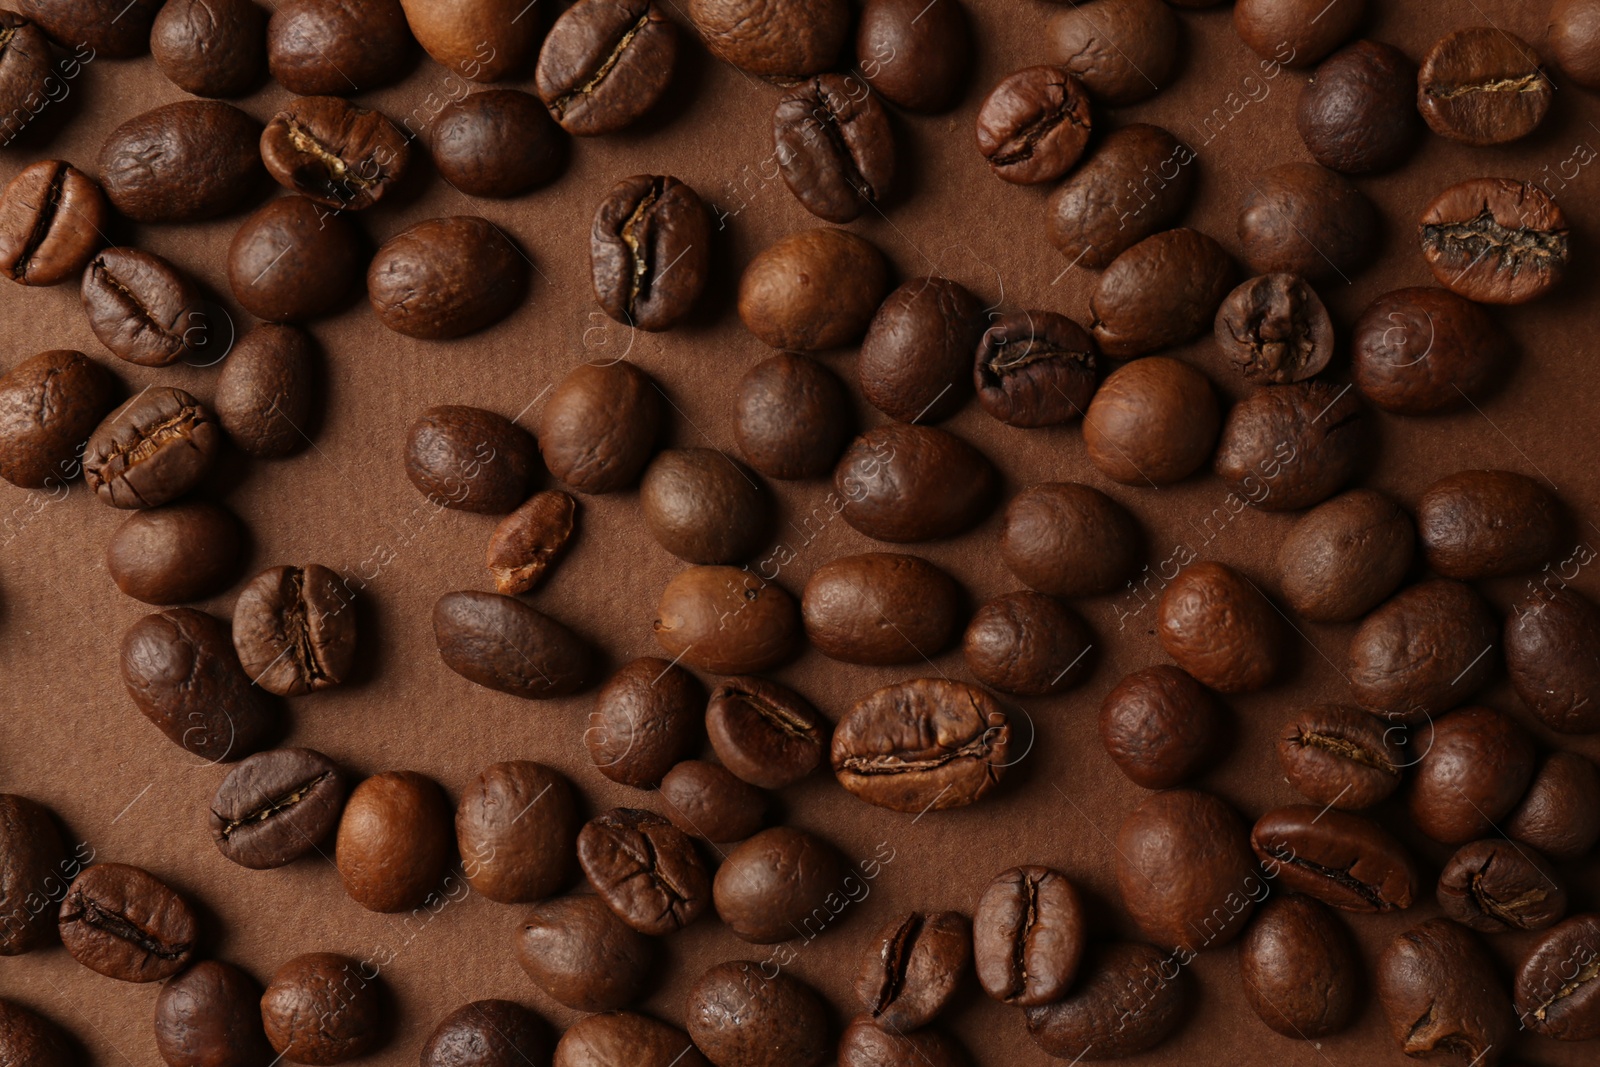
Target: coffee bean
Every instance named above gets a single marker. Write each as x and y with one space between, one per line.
33 862
834 146
153 449
605 63
1423 651
1443 996
1159 726
1286 447
1129 999
912 968
210 47
516 828
52 218
765 733
1161 292
1487 524
727 621
1152 422
1557 992
1028 644
113 29
1420 351
1341 756
210 1016
645 869
773 887
600 426
1553 657
265 393
324 1008
1220 628
482 40
395 842
1495 240
1345 556
881 608
530 540
27 1037
1306 29
622 1037
903 483
865 1044
144 309
488 1033
1496 885
784 40
501 643
497 143
180 669
25 74
295 629
185 552
1027 936
1358 112
1274 330
706 800
1343 860
125 923
1193 832
316 48
1573 38
1482 86
295 260
915 54
1560 813
701 505
470 459
1069 540
333 152
1122 50
1300 970
793 417
1476 764
650 250
915 364
1035 368
277 806
922 745
184 162
1033 126
1302 219
1138 182
645 719
580 954
444 278
739 1015
49 405
812 290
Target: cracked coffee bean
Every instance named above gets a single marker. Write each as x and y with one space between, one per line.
333 152
1482 86
600 425
1220 628
1122 50
582 955
1573 38
1028 935
210 47
1200 835
49 405
210 1016
125 923
1487 524
1161 292
708 801
294 260
645 869
1443 995
315 48
184 552
793 417
324 1008
1152 422
531 540
1420 351
295 629
1303 219
395 842
1028 644
834 146
1286 447
1423 651
771 887
880 609
153 449
266 393
618 1037
1496 885
765 733
784 40
1128 999
470 459
1475 766
645 719
1306 29
33 869
516 828
144 309
813 290
25 71
1138 182
497 143
914 53
1069 540
913 967
277 806
1343 860
1558 983
903 483
1300 970
650 251
701 505
1033 126
1496 241
184 162
1345 556
52 220
1341 756
1275 330
1553 657
488 1033
501 643
605 63
1560 813
1159 726
1358 113
1035 368
915 364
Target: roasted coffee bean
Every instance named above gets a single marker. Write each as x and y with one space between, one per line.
813 290
395 841
483 40
265 396
1274 330
765 733
866 1044
1487 524
605 63
903 483
772 887
913 967
1129 1000
1560 813
650 250
834 146
1420 351
125 923
144 309
1300 969
171 555
580 954
210 47
1152 422
497 143
192 160
1069 540
33 867
1190 272
1495 241
1341 859
444 278
27 1037
786 40
1028 644
53 218
333 152
701 505
915 364
739 1015
210 1016
1482 86
25 75
708 801
922 745
1193 832
622 1037
113 29
1033 126
1027 936
1286 447
501 643
488 1033
600 425
646 869
1553 657
1423 651
516 828
793 417
152 449
470 459
1220 628
1358 112
531 540
1035 368
1475 766
316 48
1341 756
1159 726
880 609
1558 984
1496 885
180 669
1573 39
277 806
1303 219
645 719
727 621
1121 50
295 260
915 54
1137 183
1442 995
1345 556
1306 29
295 629
324 1008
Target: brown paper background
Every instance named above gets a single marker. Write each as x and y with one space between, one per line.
69 736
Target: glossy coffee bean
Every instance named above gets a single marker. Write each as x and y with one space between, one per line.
1496 885
1159 726
1341 756
266 394
866 1044
1496 241
1420 351
1161 292
1358 112
153 449
701 505
1033 126
333 152
1035 368
903 483
915 364
482 40
35 871
183 162
623 1037
1442 995
1482 86
708 801
488 1033
112 29
1475 767
1345 556
881 608
175 554
323 1008
812 290
53 219
1304 219
1553 657
1557 994
316 48
1487 524
645 719
1220 628
773 886
1152 422
1304 29
1128 1000
1286 447
27 1037
125 923
1069 540
793 417
739 1015
395 841
1137 182
1122 50
913 967
600 425
1560 813
786 40
210 1016
501 643
727 621
497 143
646 869
1343 860
294 260
1423 651
530 541
1028 644
1027 936
1572 38
765 733
144 309
25 74
277 806
650 250
605 63
1193 832
1275 330
470 459
581 955
295 629
916 55
1299 968
834 146
210 47
516 828
444 278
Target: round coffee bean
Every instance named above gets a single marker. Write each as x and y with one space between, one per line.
294 260
153 449
144 309
1358 112
1560 813
488 1033
501 643
880 609
1556 992
277 806
1308 29
1300 969
701 505
333 152
1286 447
650 250
621 1037
1420 351
580 954
793 417
1220 628
866 1044
1069 540
1482 86
1303 219
915 54
646 869
1496 241
25 74
445 278
316 48
516 828
813 290
727 621
1423 651
530 540
1027 936
265 395
1573 39
324 1008
1035 368
1475 767
1553 657
33 874
645 719
1487 524
1192 832
903 483
395 842
772 887
1274 330
112 29
765 733
1153 422
497 143
915 364
1159 726
784 40
1028 644
1443 994
912 968
210 1016
210 47
1161 292
295 629
125 923
53 218
739 1015
1138 182
1122 50
1033 126
605 63
175 554
484 40
470 459
1128 1001
1345 556
1343 860
1496 885
184 162
834 146
600 425
706 800
1341 756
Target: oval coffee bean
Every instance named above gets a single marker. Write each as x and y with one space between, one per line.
1068 540
1122 50
1033 126
1027 936
444 278
1035 368
1558 984
184 162
52 218
1423 651
1194 832
277 806
834 146
605 63
1138 182
1496 241
622 1037
701 505
144 309
1345 556
1275 330
1190 272
708 801
1560 813
905 483
1220 628
497 143
25 75
1496 885
646 869
127 924
210 50
1128 1000
771 887
501 643
740 1015
316 48
49 405
295 629
1358 113
1028 644
26 1037
581 955
153 449
1476 764
323 1008
1482 86
1570 38
1286 447
1159 726
783 40
727 621
1303 219
813 290
210 1016
914 54
866 1044
1341 859
600 425
793 417
294 260
395 841
1152 422
333 152
913 967
108 28
1420 351
488 1033
35 862
645 719
179 553
516 828
1553 657
470 459
1307 32
765 733
1300 970
1487 524
265 395
481 40
1341 756
650 250
880 609
530 540
915 363
1443 994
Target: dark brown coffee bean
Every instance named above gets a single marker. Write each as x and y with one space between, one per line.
616 1038
1302 219
1028 644
531 540
1345 556
793 417
1152 422
1159 726
1306 29
1129 1000
1423 651
1341 756
192 160
277 806
470 459
1220 628
1286 447
580 954
786 40
395 842
1358 112
1558 984
1487 524
265 396
1496 885
1137 183
25 74
600 425
701 505
834 146
1482 86
1027 936
316 48
1443 996
1161 292
1560 813
706 800
324 1008
444 278
727 621
645 719
922 745
813 290
144 309
185 552
1343 860
1193 832
113 29
1300 969
739 1015
1274 330
913 967
333 152
53 217
1067 539
650 250
903 483
210 1016
210 47
1035 368
180 669
1553 657
497 143
34 870
153 449
605 63
772 887
1033 126
915 54
1122 50
765 733
646 869
1475 766
295 260
516 828
295 629
1572 37
1495 240
881 608
915 364
501 643
1420 351
488 1033
125 923
866 1044
27 1037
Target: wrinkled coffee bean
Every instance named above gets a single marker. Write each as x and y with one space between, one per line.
210 47
1027 936
915 364
1122 50
1303 219
1028 644
1161 292
765 733
333 152
1307 29
25 74
701 505
605 63
395 841
114 29
531 540
1286 447
153 449
793 417
444 278
1159 726
488 1033
1035 368
184 162
1152 422
1423 651
125 923
1345 556
581 955
316 48
1496 241
881 608
501 643
497 143
1553 657
1193 832
1220 628
739 1015
1573 38
1476 764
1274 330
1560 813
903 483
266 393
1487 524
1343 860
32 874
708 801
813 290
913 967
650 250
1443 996
210 1016
834 146
622 1037
144 309
1128 1000
294 260
1420 351
1496 885
52 218
1358 113
185 552
1069 540
277 806
600 425
1300 969
516 827
727 621
295 629
915 54
1558 984
1033 126
1341 756
645 719
866 1044
324 1008
1482 86
783 40
772 887
470 459
646 869
1138 182
27 1037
